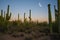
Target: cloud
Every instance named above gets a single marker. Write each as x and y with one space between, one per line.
40 4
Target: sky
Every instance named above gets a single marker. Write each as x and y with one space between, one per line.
39 8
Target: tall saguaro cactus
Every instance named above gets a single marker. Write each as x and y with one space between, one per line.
8 15
56 14
1 16
59 14
56 19
50 18
1 13
4 15
18 16
30 15
24 17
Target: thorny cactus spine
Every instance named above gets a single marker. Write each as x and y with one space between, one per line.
8 16
50 18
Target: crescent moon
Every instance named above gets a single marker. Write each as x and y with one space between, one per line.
40 4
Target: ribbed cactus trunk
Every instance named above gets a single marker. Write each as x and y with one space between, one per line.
29 15
59 15
50 18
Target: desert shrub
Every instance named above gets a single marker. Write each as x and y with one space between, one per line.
44 30
21 30
15 34
28 38
28 31
3 27
21 35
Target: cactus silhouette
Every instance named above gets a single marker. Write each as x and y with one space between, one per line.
8 16
24 17
18 16
50 18
2 13
1 16
58 14
56 19
30 15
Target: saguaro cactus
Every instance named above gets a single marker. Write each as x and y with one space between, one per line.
50 18
8 16
2 13
24 17
58 14
18 16
30 15
1 16
56 19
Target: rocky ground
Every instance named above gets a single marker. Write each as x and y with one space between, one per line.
24 36
27 34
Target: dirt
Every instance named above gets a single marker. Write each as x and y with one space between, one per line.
24 36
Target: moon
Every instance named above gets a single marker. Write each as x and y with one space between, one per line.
40 4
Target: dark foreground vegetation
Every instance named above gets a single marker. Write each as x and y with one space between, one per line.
29 30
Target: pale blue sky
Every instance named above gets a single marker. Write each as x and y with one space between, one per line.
21 6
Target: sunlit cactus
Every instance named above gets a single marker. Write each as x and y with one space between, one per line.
30 15
49 18
8 16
